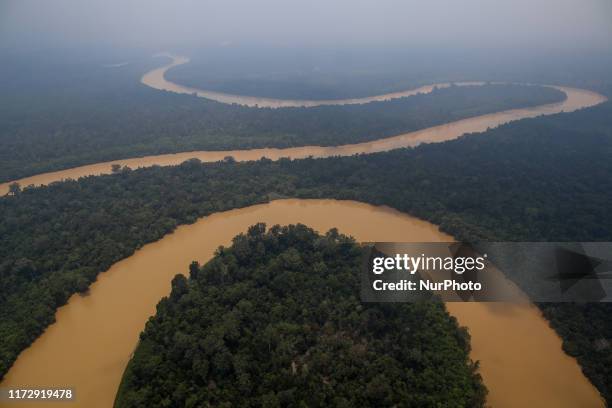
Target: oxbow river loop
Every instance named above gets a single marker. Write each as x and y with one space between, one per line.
87 349
575 99
521 359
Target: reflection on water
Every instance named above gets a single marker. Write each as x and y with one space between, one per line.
522 362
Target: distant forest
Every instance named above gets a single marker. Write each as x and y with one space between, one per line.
66 116
274 75
350 73
276 320
546 178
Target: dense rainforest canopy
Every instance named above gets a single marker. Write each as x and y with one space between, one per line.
537 179
276 320
69 116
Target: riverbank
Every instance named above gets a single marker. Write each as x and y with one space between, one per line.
522 329
576 99
521 359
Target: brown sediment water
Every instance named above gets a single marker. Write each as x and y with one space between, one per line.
575 99
156 79
522 362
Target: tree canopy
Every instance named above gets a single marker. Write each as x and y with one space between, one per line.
89 114
276 320
539 179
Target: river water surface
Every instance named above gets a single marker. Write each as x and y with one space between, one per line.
156 79
521 359
576 99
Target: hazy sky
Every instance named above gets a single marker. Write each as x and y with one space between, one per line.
556 24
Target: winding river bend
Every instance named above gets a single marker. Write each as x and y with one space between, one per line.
522 362
575 99
156 79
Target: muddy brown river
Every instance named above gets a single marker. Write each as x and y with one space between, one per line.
156 79
576 99
521 359
522 362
